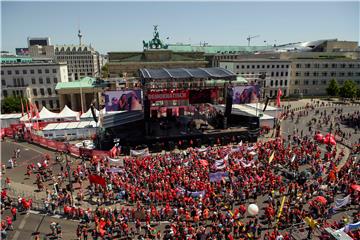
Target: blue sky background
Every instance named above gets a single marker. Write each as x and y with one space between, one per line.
121 26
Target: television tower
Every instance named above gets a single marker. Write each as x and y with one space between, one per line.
80 36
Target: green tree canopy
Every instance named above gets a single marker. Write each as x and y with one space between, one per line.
12 104
333 89
105 71
349 89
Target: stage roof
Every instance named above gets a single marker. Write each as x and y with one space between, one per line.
183 73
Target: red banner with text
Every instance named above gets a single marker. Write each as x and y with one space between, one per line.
168 95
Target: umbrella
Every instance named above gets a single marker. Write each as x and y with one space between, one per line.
321 200
319 137
332 141
356 187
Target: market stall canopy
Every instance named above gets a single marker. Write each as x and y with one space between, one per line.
68 113
46 114
88 114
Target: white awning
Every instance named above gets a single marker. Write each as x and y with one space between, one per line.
46 114
68 113
88 114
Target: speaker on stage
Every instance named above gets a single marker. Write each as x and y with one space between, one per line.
93 113
229 100
146 109
168 112
154 114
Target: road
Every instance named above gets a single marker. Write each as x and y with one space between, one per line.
28 223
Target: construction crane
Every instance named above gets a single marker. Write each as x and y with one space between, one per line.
251 37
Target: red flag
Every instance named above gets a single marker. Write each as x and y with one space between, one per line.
31 110
97 180
27 109
113 151
22 107
279 94
37 112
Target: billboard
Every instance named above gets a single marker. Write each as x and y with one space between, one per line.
246 94
22 51
127 100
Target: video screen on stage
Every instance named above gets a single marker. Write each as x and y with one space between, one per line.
202 96
123 100
246 94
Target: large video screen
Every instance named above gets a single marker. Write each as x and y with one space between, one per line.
129 100
246 94
202 96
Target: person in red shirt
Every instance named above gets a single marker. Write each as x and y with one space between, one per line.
9 223
13 212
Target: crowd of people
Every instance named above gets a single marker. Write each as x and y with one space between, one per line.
204 193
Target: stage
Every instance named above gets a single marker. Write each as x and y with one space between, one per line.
181 132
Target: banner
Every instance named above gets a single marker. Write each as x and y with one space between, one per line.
342 202
168 95
95 179
61 147
246 94
203 149
192 194
100 153
138 153
85 152
51 144
218 176
9 132
43 141
115 170
123 100
17 126
118 161
74 150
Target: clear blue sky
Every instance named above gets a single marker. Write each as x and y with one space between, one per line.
121 26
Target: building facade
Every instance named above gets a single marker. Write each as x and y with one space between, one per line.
311 73
35 80
251 67
82 60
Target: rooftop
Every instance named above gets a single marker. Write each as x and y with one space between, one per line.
166 73
74 47
209 49
86 82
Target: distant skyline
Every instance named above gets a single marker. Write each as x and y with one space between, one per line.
121 26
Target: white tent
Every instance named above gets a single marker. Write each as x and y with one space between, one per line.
70 130
68 114
45 114
7 119
88 114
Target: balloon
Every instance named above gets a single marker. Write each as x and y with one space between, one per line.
253 209
332 142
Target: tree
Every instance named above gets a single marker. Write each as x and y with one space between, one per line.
349 89
105 71
358 92
333 89
12 104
